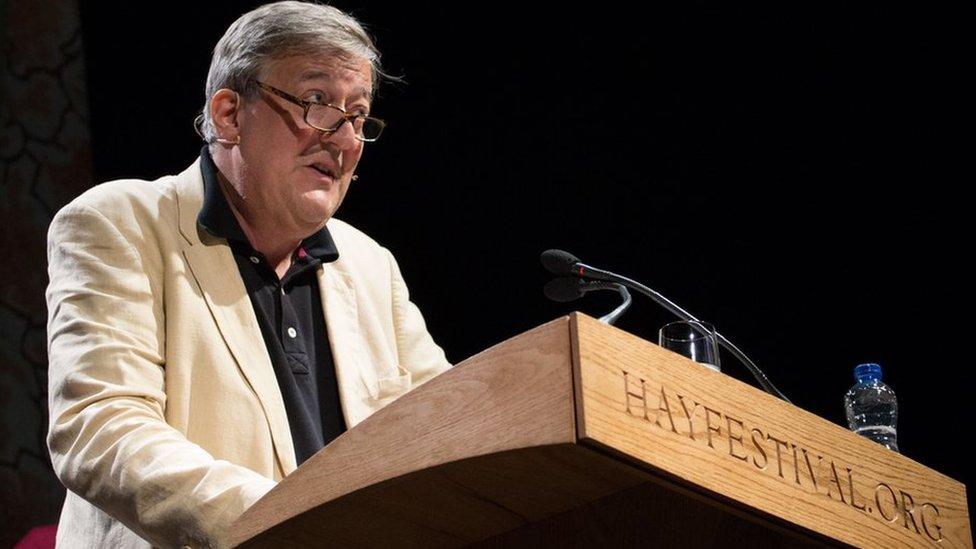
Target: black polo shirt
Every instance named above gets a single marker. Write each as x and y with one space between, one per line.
289 312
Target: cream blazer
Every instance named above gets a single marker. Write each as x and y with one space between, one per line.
166 421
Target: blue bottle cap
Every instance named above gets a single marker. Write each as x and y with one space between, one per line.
867 372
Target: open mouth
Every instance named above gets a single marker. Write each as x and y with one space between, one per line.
322 170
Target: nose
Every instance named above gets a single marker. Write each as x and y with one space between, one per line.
344 137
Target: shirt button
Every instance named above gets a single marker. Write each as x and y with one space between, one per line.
292 332
255 260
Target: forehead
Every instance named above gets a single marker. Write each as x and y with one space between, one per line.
351 75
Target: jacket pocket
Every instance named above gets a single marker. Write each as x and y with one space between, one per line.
389 388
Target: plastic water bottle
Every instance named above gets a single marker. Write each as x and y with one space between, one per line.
872 409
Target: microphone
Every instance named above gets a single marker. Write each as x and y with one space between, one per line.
563 263
559 263
567 289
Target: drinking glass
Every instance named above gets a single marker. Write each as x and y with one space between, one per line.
693 339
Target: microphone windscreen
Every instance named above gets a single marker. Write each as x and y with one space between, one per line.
559 262
564 289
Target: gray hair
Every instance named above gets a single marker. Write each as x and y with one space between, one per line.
275 31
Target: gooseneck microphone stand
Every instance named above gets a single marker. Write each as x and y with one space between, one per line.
563 263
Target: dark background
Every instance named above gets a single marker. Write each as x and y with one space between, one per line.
792 174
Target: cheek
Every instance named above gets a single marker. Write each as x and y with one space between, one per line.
353 156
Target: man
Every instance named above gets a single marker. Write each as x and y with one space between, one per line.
210 331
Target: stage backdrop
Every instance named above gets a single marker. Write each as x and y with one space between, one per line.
788 173
45 161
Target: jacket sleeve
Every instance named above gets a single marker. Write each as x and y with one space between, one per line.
108 437
416 349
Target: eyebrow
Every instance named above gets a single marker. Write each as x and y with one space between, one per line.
316 74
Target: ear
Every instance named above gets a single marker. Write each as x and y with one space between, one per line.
224 106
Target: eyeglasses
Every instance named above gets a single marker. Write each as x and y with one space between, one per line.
329 118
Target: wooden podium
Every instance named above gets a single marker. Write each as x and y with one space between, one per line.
577 434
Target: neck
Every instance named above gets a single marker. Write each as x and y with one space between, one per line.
264 234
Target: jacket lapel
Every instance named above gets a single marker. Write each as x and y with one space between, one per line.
349 351
212 264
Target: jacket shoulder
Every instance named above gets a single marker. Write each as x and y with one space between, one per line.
140 210
350 240
124 199
111 193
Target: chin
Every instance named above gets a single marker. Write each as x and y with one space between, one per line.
317 213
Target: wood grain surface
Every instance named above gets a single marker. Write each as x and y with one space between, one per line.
514 395
650 405
576 434
459 503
